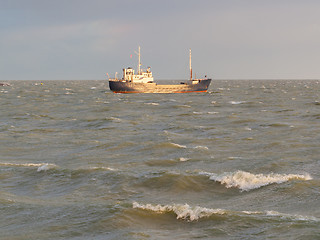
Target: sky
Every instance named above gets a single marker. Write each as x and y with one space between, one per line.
230 39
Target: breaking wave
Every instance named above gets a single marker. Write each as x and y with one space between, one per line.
45 167
201 147
178 145
236 102
40 166
247 181
182 211
189 213
48 166
100 168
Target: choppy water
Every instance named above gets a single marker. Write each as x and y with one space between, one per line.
239 162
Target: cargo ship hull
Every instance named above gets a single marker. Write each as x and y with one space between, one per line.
121 86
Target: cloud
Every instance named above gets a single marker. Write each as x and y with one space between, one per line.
58 50
229 39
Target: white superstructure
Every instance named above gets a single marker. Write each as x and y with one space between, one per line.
141 77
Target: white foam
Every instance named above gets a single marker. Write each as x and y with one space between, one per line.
182 159
202 147
186 212
247 181
185 106
152 103
103 168
294 217
182 211
236 102
45 167
198 113
41 166
233 158
114 119
178 145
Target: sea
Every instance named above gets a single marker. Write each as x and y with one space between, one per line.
241 161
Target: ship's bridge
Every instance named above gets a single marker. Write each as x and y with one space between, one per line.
141 77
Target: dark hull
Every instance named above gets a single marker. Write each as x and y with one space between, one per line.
119 86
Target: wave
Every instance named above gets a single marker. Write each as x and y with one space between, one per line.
178 145
152 103
41 166
295 217
182 159
100 168
236 102
48 166
201 147
184 146
246 181
182 211
189 213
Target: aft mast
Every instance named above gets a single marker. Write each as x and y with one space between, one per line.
190 64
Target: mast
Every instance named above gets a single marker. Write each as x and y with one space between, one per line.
139 65
190 64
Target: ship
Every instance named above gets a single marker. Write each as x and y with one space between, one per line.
143 82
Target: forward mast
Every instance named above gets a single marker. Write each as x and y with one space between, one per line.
142 76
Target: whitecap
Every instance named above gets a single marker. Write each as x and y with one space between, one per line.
178 145
246 181
189 213
198 113
294 217
152 103
103 168
232 158
201 147
114 119
41 166
182 159
45 167
236 102
182 211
